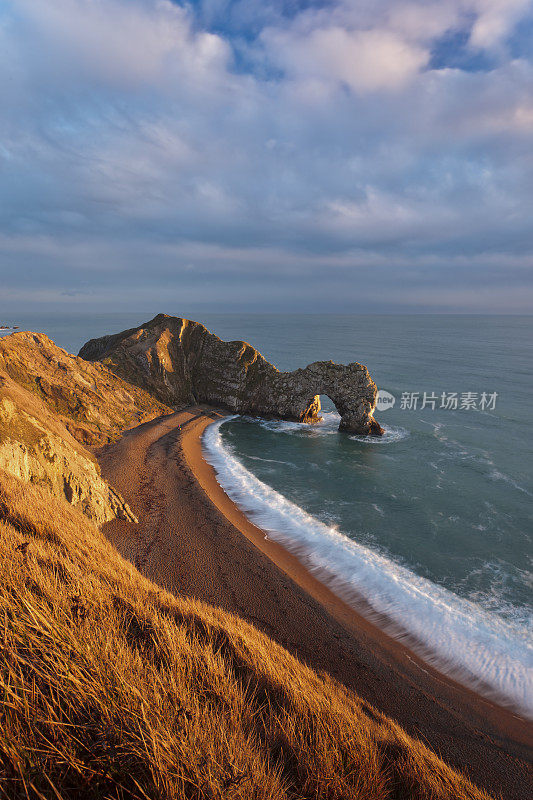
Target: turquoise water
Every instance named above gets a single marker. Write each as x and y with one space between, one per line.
433 522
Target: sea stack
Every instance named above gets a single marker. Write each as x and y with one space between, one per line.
180 362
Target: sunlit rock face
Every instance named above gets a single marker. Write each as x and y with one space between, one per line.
53 407
36 448
180 362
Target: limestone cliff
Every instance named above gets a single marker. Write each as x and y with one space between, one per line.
179 362
51 405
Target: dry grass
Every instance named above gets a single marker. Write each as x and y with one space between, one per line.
111 688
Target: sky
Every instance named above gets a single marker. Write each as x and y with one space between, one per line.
266 155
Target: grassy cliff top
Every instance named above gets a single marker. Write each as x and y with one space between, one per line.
112 688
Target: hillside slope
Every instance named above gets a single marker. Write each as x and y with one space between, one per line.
112 688
36 447
52 405
93 403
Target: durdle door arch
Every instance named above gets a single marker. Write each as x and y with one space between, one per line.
349 387
179 361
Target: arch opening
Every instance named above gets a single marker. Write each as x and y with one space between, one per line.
319 404
327 404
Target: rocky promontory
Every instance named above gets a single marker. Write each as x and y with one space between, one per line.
179 362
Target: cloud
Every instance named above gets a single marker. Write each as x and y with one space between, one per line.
365 61
304 143
117 44
495 19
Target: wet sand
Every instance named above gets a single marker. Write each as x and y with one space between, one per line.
193 540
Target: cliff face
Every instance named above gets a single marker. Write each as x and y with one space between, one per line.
36 448
181 362
51 405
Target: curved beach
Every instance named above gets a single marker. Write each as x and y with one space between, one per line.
192 539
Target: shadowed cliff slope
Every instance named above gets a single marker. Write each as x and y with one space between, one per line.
181 362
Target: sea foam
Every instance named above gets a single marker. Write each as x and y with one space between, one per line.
457 636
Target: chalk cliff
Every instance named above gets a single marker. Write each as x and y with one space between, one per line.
179 362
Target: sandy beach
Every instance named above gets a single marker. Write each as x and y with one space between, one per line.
193 540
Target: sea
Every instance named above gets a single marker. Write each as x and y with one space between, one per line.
429 526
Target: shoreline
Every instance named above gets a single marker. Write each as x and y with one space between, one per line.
474 734
343 610
352 600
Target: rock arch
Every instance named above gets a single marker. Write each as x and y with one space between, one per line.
180 362
349 387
